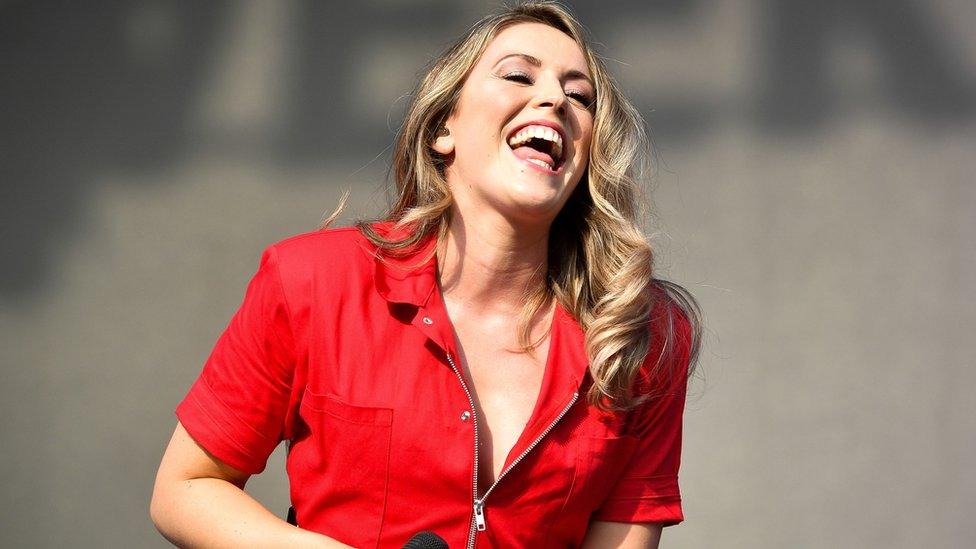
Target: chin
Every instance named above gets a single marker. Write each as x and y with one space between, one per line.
542 192
535 207
527 199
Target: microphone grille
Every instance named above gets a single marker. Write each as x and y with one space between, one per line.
426 540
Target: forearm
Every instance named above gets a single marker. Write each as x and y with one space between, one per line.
210 512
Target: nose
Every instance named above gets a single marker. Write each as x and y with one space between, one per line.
551 96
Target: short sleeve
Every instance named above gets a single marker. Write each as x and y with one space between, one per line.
236 409
647 491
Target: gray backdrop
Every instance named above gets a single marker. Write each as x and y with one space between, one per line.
813 189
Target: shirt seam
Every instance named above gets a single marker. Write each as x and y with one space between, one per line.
248 460
229 411
284 298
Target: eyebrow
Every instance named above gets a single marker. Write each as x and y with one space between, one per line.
572 73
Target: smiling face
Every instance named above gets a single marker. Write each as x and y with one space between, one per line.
520 133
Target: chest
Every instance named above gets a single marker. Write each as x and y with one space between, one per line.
505 382
387 433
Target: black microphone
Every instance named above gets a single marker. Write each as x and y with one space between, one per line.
426 540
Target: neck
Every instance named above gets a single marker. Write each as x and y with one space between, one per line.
490 266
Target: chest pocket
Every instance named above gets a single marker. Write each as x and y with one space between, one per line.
339 472
600 462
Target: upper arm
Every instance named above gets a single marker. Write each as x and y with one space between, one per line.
184 459
622 535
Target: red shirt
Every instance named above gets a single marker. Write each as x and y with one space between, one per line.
351 359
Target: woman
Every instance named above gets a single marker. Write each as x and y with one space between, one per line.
493 362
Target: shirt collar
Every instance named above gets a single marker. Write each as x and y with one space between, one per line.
410 278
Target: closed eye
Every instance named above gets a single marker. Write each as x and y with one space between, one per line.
524 79
519 77
579 97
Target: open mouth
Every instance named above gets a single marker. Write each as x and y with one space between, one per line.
539 145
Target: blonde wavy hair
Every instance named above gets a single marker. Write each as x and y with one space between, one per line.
599 261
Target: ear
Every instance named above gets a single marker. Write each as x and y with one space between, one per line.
444 142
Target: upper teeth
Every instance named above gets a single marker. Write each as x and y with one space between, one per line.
539 132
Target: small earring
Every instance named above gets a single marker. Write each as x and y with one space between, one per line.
443 131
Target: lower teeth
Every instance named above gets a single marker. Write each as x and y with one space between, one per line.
540 163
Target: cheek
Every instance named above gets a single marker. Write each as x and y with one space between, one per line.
584 144
582 123
484 117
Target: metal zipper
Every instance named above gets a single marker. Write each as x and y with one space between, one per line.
474 473
480 504
478 522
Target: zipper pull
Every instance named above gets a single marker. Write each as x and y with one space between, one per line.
479 515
